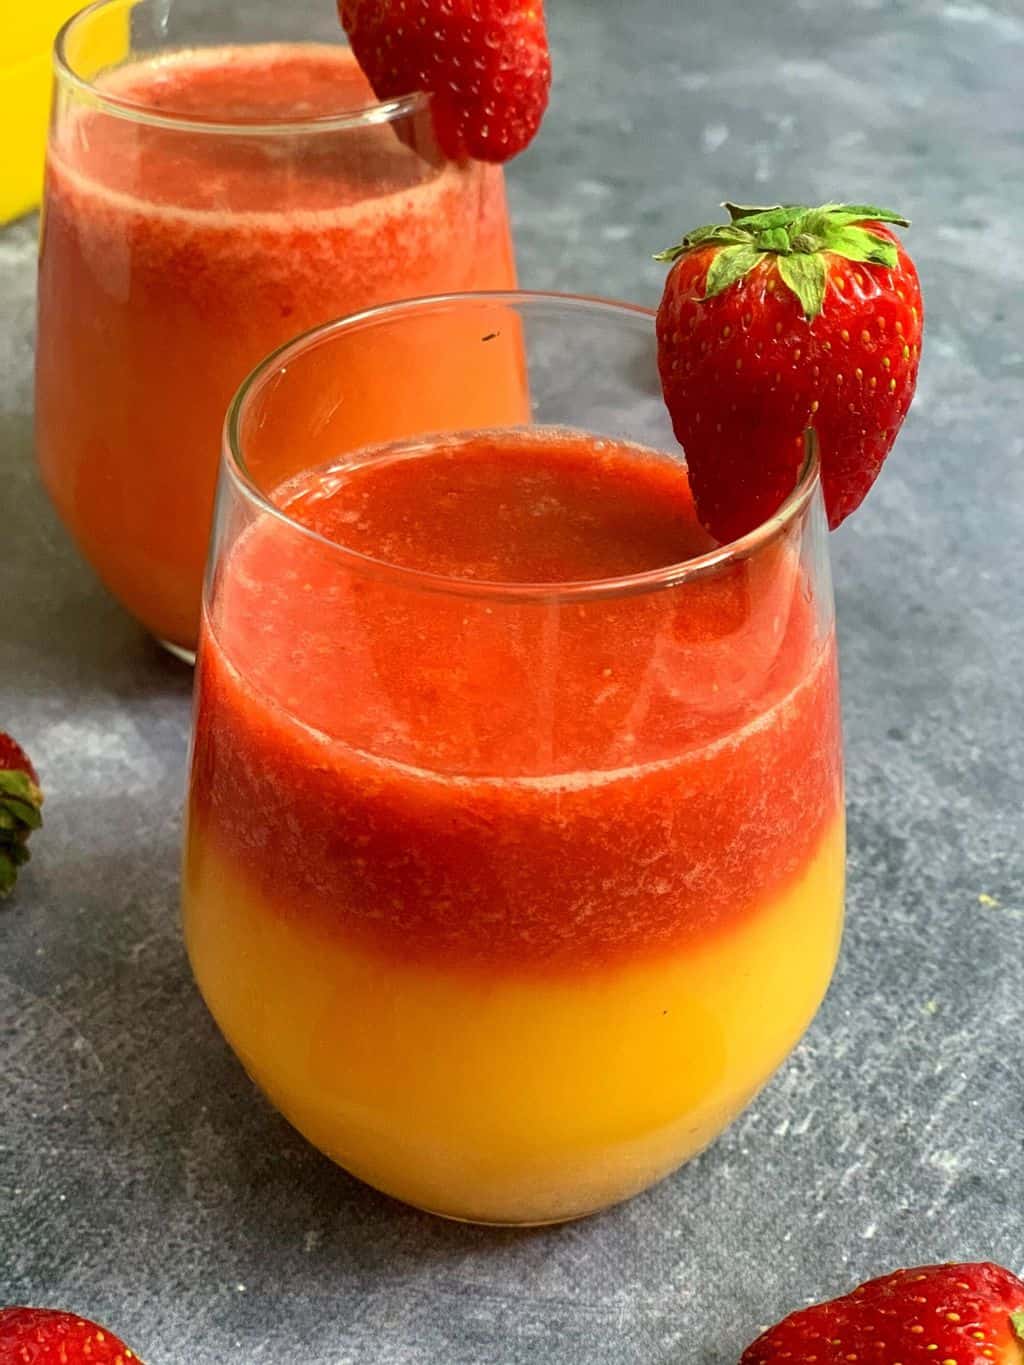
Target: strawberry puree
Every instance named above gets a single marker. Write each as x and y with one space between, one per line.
173 260
491 781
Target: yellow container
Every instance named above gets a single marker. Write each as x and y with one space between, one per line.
27 31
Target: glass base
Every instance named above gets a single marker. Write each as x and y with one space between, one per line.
511 1224
187 656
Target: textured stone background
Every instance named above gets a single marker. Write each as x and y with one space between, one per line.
142 1180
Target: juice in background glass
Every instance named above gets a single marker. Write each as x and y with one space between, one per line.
205 201
515 842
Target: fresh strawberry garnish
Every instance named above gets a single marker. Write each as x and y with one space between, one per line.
485 62
783 319
933 1315
20 811
43 1336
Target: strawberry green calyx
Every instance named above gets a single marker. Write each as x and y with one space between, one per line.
20 813
1017 1322
799 238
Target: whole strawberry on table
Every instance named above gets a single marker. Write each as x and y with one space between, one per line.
970 1314
21 804
778 320
47 1336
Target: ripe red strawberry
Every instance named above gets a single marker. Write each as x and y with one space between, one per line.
20 812
932 1315
486 63
782 319
42 1336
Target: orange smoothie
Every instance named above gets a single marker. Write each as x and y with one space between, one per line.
510 902
174 258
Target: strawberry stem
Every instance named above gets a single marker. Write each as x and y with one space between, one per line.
20 813
802 238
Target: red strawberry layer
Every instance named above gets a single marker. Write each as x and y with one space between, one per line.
474 779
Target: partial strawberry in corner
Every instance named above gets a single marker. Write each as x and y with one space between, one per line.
20 811
932 1315
781 319
43 1336
485 62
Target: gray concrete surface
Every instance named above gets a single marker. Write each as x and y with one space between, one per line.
141 1178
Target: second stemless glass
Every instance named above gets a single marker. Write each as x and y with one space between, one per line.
510 896
216 184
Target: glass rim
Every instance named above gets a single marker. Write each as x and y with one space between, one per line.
233 461
378 112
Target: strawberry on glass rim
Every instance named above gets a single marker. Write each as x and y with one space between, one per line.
485 62
781 319
970 1314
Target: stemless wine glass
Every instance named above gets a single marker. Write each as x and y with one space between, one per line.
509 885
217 181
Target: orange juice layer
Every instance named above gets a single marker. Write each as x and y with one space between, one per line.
510 906
173 261
504 1096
